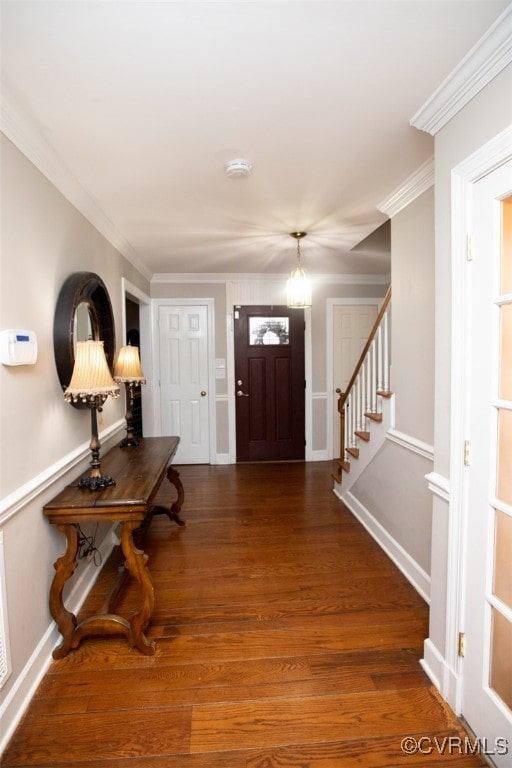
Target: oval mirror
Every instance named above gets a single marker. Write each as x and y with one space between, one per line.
83 311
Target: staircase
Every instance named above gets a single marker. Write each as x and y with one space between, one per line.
366 408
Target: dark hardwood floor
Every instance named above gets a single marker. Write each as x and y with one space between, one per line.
285 639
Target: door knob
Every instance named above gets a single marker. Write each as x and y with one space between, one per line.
203 393
241 394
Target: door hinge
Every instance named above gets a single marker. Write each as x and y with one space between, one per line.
470 242
467 454
461 644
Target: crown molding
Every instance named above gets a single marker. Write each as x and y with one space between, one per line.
25 135
491 54
241 277
417 183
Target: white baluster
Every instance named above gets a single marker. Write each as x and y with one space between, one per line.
379 358
361 400
373 352
386 352
368 380
347 428
352 421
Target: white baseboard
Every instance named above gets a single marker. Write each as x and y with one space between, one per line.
18 698
447 682
222 458
433 663
413 572
317 455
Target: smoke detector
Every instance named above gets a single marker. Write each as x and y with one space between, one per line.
237 168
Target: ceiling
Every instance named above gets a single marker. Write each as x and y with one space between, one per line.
141 104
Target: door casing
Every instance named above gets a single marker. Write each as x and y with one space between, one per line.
332 398
480 163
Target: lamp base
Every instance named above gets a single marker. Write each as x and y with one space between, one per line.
96 483
129 442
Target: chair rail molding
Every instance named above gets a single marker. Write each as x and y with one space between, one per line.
411 443
18 499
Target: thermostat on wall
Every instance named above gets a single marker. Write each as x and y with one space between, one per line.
18 347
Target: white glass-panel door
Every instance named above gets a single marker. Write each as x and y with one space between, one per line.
487 690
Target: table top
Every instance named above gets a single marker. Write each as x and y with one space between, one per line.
138 472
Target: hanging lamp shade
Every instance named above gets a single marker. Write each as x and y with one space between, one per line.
298 287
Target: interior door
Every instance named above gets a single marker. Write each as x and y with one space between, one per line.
183 332
487 666
351 327
269 383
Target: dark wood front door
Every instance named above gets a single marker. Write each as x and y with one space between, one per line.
269 383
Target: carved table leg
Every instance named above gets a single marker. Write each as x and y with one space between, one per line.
136 564
64 568
173 513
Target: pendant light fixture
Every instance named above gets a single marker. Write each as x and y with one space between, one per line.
299 284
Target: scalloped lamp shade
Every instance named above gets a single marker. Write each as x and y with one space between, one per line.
91 375
128 367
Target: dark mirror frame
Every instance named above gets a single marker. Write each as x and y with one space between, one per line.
80 288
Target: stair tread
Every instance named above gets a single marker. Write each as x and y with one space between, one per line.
374 416
353 452
384 393
363 435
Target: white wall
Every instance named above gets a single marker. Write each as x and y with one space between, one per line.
44 441
412 333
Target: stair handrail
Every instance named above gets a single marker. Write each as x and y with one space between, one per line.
359 364
343 396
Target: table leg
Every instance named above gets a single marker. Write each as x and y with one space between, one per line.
64 568
136 565
174 512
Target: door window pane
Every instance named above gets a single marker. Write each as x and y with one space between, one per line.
504 468
505 380
503 558
269 330
501 657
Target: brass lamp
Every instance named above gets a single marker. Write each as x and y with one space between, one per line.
91 383
128 371
299 284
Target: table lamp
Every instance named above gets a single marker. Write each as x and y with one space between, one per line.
91 383
128 371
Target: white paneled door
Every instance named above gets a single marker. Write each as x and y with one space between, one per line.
487 665
184 396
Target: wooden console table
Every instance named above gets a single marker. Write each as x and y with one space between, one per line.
138 472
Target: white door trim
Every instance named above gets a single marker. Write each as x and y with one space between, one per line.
157 412
329 333
485 160
128 290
